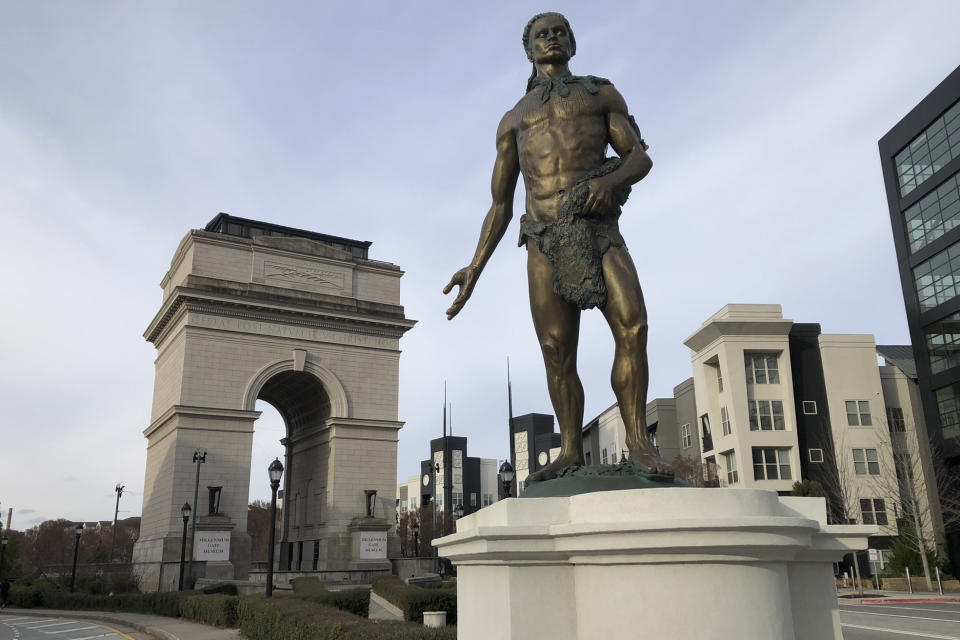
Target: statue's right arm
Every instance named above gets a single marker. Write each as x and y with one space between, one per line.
506 171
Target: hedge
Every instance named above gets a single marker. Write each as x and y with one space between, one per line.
40 595
291 618
356 601
414 600
217 610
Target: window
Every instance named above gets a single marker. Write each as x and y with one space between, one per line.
473 499
761 368
858 413
719 379
874 511
948 406
895 421
686 440
771 464
725 421
943 343
933 215
815 455
403 506
937 280
487 499
603 456
766 415
733 476
809 407
928 152
413 503
457 499
865 462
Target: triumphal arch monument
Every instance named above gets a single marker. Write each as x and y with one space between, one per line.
310 324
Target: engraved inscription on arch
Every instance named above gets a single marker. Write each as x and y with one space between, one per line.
300 275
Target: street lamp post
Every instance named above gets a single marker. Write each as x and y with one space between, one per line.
275 470
506 477
416 538
76 554
185 512
3 552
436 492
116 512
198 459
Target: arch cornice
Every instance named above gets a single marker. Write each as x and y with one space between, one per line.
339 405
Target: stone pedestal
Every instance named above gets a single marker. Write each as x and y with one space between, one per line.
368 538
676 563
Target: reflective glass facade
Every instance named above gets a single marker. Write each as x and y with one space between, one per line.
933 215
938 279
948 405
928 152
943 343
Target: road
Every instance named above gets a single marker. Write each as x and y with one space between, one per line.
40 628
901 621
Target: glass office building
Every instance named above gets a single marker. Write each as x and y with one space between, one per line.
921 172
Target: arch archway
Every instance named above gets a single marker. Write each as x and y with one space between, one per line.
299 320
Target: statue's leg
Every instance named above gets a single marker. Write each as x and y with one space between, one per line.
627 317
557 323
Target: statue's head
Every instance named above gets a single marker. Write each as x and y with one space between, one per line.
548 38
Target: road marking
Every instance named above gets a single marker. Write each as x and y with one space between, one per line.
52 624
887 606
896 615
905 633
104 635
116 631
82 628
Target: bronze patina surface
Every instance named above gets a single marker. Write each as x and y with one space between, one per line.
556 136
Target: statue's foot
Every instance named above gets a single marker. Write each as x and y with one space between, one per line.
554 469
648 461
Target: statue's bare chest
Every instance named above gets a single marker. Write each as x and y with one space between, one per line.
579 107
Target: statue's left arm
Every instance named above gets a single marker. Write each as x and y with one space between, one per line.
625 140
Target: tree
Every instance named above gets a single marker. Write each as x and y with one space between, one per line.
692 471
910 486
258 528
808 489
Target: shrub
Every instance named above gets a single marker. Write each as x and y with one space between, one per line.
226 588
414 600
48 595
291 618
218 610
356 601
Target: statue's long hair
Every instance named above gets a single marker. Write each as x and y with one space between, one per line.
526 41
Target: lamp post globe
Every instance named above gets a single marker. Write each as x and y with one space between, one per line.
78 529
275 471
185 512
507 475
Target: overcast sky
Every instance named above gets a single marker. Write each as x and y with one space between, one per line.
125 124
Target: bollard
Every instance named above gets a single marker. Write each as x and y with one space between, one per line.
909 584
939 584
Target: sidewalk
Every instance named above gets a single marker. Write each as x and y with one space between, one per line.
874 596
158 627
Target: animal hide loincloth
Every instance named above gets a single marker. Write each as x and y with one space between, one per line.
574 243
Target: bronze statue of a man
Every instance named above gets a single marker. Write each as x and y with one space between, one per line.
557 136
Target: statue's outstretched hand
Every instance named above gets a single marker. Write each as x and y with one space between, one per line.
466 278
